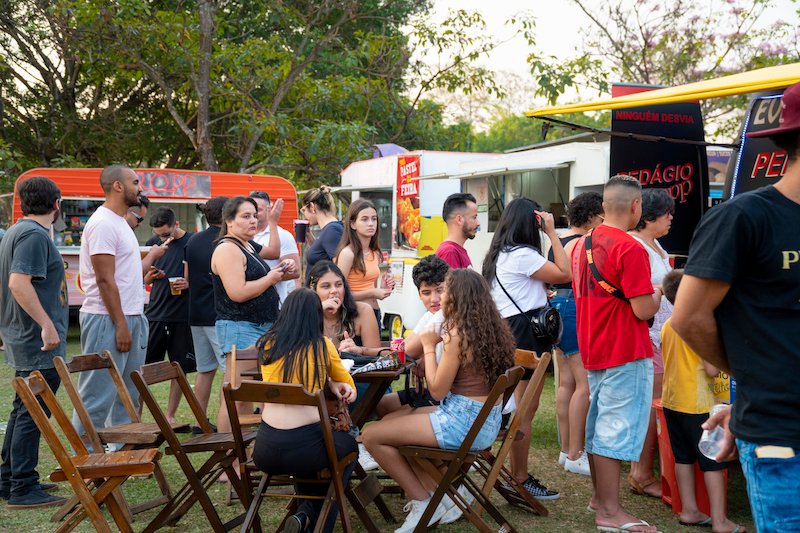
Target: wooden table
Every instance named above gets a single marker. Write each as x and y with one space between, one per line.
369 487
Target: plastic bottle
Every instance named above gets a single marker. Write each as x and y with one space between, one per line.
711 441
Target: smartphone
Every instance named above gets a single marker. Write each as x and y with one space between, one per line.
169 240
283 266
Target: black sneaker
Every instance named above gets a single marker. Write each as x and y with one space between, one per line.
539 491
197 430
297 523
5 493
33 499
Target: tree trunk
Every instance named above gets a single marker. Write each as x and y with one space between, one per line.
205 146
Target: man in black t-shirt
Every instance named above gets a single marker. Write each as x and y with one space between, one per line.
33 322
168 309
738 307
202 313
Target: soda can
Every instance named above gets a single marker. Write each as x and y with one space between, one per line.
398 345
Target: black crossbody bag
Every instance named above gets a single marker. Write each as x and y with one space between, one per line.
545 321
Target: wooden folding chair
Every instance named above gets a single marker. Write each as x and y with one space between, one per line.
491 466
135 435
280 393
457 464
93 477
218 446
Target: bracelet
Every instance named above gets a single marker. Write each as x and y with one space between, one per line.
433 352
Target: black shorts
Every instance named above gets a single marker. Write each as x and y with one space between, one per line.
173 339
684 433
520 325
411 397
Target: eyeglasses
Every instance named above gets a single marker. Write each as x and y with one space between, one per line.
139 218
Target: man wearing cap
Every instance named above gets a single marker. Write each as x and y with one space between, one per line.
738 307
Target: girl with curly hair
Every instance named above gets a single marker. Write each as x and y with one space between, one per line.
478 348
518 273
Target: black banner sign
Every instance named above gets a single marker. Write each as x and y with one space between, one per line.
681 169
758 162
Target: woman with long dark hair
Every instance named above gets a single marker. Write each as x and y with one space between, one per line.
359 256
478 349
518 273
289 441
348 323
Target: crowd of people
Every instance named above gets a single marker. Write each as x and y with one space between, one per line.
634 329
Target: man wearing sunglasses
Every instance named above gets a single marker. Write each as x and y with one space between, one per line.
136 214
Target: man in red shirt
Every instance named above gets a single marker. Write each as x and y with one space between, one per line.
615 345
460 213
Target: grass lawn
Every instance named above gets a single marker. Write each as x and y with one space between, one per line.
567 514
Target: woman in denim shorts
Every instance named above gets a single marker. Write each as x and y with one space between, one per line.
478 349
244 286
584 212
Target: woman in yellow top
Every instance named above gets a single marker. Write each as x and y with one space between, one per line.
359 256
290 440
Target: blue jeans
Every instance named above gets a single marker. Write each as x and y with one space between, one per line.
454 418
569 339
772 489
239 332
21 443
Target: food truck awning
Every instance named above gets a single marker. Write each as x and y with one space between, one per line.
517 167
746 82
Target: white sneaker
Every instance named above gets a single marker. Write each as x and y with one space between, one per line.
562 458
415 510
366 460
453 511
579 465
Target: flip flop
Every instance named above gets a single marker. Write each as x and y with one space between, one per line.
627 527
701 523
639 488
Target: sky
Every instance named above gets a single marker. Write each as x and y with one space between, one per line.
558 24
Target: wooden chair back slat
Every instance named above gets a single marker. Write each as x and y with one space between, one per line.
158 372
243 354
285 394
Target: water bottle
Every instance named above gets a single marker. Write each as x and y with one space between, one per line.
711 440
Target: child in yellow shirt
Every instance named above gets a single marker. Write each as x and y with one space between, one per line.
687 397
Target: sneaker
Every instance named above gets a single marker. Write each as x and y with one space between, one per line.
579 465
366 460
415 510
197 430
34 498
539 491
297 523
562 458
5 493
453 511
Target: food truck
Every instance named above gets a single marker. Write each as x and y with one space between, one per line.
181 190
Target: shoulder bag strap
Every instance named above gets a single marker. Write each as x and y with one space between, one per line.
609 288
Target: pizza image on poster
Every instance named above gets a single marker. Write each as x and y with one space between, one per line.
408 219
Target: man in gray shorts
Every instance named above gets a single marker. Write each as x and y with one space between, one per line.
202 314
112 316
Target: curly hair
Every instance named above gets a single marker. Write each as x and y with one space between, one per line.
583 207
431 269
484 338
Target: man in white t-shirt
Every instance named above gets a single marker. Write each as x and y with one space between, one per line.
112 315
288 245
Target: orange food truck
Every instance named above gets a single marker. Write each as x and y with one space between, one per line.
181 190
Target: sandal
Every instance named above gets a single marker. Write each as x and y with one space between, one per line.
639 488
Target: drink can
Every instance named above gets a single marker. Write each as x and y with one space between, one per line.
398 346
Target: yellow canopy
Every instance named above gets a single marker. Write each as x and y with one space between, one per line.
747 82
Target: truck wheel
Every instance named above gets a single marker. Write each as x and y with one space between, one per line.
396 327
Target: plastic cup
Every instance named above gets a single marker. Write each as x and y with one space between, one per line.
172 290
300 230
